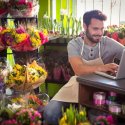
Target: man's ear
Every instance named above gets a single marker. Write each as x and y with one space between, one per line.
84 26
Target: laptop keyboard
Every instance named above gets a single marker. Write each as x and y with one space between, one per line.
112 74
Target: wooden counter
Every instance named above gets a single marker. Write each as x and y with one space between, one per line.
89 84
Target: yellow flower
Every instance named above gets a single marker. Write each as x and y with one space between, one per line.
20 37
35 42
37 35
62 121
6 31
85 123
81 113
45 32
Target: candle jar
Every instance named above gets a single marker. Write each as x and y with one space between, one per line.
111 98
123 109
99 98
115 108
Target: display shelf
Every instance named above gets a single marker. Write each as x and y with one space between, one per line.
34 17
19 20
102 108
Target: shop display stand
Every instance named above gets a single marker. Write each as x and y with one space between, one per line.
21 57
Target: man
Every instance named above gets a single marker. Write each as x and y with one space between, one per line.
94 52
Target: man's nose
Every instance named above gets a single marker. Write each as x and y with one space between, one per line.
100 32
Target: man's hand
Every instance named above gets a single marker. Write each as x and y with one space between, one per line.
111 67
81 68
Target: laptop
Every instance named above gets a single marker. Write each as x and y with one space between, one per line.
121 70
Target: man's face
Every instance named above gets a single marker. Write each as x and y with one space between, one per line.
94 31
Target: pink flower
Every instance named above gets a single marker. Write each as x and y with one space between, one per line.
27 116
100 117
10 122
20 30
110 120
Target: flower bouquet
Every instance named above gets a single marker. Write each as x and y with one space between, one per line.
28 116
24 42
26 77
3 8
22 39
24 8
23 116
28 100
2 45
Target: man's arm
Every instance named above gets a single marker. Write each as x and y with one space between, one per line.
80 68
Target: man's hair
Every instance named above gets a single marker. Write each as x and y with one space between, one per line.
96 14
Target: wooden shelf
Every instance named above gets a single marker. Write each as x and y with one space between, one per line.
102 108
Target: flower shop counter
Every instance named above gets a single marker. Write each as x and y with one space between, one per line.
103 94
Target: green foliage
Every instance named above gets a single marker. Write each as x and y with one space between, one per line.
5 114
67 26
121 32
73 116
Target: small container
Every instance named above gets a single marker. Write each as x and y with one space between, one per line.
99 98
115 108
112 94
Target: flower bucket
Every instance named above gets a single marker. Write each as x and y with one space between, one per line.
24 57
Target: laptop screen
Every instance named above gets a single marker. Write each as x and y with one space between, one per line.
121 69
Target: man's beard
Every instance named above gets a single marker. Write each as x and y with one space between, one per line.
90 37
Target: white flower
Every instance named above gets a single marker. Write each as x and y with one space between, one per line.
14 106
63 12
45 16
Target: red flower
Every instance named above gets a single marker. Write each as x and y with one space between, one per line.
115 36
29 4
43 37
35 100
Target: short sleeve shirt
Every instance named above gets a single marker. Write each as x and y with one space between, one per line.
109 49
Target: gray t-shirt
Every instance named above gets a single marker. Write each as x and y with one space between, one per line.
109 49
